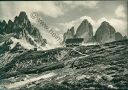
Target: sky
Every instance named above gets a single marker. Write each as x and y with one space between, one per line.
62 15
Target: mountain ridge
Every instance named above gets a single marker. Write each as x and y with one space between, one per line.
22 28
104 33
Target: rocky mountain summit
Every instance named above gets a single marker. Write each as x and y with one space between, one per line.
69 34
22 31
85 30
105 33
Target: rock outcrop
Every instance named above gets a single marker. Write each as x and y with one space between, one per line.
3 26
105 33
22 28
118 36
85 30
69 34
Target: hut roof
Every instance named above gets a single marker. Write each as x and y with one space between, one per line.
74 40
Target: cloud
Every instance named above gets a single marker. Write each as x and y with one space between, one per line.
120 25
11 9
120 11
52 42
88 4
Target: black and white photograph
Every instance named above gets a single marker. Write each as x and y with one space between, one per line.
64 45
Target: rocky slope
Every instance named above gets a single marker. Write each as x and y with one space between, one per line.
84 67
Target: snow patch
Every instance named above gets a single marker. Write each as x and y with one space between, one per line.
22 42
82 77
87 44
27 81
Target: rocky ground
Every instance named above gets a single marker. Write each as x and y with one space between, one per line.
80 68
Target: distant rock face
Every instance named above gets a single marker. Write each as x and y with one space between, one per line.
118 36
3 26
85 30
22 28
105 33
69 34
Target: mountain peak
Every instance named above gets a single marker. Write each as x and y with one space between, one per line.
69 34
105 23
22 14
9 21
71 29
22 18
4 22
105 33
85 31
23 29
85 21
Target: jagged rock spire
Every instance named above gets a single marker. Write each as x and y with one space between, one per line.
105 33
85 30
